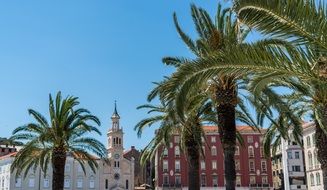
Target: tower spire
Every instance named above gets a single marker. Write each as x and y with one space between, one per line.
115 119
115 114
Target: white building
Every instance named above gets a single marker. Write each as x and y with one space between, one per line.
288 164
118 175
313 171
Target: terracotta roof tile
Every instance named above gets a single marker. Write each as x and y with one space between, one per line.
8 155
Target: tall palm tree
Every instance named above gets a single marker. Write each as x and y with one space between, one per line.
214 38
297 58
196 111
50 142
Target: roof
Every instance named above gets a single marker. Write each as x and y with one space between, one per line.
240 128
8 155
306 125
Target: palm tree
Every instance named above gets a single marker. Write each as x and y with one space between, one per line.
214 37
296 58
50 142
196 111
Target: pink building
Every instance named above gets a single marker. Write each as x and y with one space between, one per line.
252 168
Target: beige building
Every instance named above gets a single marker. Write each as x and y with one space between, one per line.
313 171
119 175
288 166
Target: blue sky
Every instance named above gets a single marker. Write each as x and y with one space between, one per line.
100 51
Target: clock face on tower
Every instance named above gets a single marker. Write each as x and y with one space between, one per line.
116 176
116 156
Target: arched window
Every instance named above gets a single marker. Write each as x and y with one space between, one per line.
165 153
315 156
127 184
119 141
177 151
107 184
308 141
310 160
318 178
213 151
251 151
114 139
312 179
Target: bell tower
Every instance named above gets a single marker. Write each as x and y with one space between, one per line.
115 136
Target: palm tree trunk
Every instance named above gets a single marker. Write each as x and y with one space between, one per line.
226 99
193 158
58 165
321 141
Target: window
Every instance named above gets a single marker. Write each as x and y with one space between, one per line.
310 160
297 155
263 166
214 164
203 180
252 180
238 180
127 185
237 165
46 182
92 182
213 151
250 139
237 150
18 182
308 141
165 152
312 180
215 180
176 139
177 151
262 153
313 139
264 179
289 155
315 157
165 179
31 181
79 168
203 165
251 166
213 139
178 180
79 182
177 166
67 182
3 182
67 168
165 165
318 179
296 168
107 184
251 151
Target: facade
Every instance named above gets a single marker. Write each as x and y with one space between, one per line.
288 166
6 148
313 171
142 174
118 175
252 168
